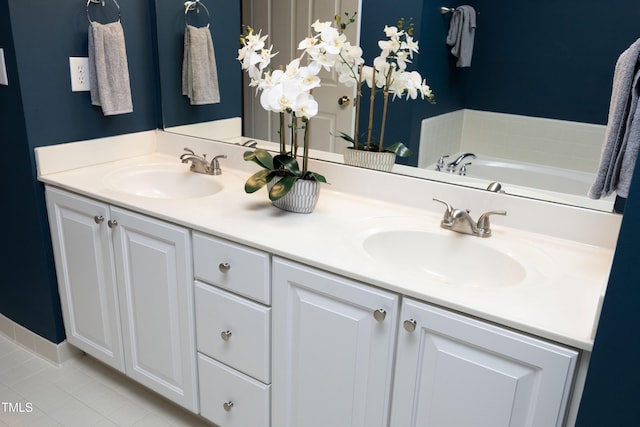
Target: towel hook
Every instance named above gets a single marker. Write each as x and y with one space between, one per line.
103 4
444 10
195 5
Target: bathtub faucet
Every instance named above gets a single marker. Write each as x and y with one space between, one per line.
451 167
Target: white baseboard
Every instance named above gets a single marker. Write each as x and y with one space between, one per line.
54 353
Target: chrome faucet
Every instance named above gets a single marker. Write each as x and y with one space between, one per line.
200 164
460 221
451 167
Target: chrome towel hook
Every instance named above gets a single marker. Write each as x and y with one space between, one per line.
195 5
102 2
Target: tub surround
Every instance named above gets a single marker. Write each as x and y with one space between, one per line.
575 245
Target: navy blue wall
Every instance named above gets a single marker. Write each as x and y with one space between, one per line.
225 29
38 109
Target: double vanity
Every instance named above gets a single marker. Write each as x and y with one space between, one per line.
363 313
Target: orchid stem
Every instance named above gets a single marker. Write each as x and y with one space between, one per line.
372 98
305 158
384 108
358 96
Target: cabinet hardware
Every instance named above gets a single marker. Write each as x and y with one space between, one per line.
227 405
225 335
409 325
380 314
99 219
224 267
112 223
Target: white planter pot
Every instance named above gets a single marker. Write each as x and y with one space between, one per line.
302 198
382 161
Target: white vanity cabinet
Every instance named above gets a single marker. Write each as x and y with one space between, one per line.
453 370
233 322
333 347
126 288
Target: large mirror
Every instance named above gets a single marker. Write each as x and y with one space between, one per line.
532 107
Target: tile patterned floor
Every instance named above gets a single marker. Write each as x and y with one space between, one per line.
80 393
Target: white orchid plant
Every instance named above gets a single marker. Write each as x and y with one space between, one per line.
287 91
388 75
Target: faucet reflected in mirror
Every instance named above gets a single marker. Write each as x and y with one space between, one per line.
521 87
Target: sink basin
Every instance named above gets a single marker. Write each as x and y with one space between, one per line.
445 258
163 182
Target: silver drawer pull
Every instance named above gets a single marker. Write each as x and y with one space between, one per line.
99 219
227 405
225 335
112 223
224 267
380 314
409 325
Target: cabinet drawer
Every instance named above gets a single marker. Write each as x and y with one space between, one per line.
234 331
231 399
234 267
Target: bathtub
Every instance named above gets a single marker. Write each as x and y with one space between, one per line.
528 179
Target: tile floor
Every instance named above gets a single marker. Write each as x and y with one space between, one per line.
82 392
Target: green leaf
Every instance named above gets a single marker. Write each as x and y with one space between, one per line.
258 180
260 156
346 137
287 163
317 177
400 149
282 187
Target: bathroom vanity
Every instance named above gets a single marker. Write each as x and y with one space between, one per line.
363 313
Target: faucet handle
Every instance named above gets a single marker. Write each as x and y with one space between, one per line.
440 163
215 164
484 225
449 212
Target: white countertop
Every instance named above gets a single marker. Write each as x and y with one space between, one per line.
559 299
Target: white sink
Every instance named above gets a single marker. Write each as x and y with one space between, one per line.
163 182
451 258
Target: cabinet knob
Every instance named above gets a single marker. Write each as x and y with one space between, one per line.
409 325
224 267
112 223
99 219
379 314
225 335
227 405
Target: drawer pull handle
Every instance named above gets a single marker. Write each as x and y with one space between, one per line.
225 335
99 219
224 267
112 223
380 314
409 325
227 405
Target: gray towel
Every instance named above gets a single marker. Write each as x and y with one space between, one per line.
108 69
199 72
622 138
462 30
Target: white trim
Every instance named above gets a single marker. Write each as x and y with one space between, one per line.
54 353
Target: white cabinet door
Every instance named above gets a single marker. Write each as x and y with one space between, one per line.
332 358
155 289
452 370
86 273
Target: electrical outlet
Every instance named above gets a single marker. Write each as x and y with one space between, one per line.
79 68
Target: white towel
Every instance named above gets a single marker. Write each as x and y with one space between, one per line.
622 138
199 72
108 69
462 30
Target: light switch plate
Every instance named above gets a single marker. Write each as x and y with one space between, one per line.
3 69
79 70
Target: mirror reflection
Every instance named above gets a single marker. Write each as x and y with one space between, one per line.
532 107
